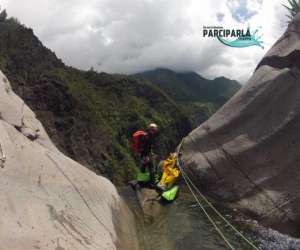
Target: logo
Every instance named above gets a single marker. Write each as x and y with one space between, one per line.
237 38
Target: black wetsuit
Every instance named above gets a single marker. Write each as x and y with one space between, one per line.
148 142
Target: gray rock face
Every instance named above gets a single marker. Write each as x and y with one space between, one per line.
248 153
47 200
149 202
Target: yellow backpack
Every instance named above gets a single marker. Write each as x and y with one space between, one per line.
170 171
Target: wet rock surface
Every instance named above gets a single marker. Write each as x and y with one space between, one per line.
247 154
149 202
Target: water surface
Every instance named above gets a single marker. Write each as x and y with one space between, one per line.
180 225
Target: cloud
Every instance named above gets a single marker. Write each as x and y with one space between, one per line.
243 10
220 16
129 36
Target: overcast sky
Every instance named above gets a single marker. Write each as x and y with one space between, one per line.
130 36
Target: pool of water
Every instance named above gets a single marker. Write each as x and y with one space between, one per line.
178 226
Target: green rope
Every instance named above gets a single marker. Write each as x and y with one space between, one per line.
189 182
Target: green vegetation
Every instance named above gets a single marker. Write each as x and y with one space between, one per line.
293 8
198 97
90 116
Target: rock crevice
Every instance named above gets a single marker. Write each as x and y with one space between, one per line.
289 61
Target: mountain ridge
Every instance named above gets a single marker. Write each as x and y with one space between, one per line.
200 97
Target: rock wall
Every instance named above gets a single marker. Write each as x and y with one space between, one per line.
47 200
248 153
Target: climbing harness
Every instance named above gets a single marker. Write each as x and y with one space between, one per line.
2 157
192 186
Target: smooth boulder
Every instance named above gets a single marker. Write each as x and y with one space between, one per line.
248 153
47 200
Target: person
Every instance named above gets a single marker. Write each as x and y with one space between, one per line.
143 143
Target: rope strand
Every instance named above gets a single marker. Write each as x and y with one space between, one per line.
190 184
207 215
220 215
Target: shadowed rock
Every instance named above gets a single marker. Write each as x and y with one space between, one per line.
248 153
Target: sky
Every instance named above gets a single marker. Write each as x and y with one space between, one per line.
131 36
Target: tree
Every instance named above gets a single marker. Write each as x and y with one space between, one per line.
3 15
14 20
